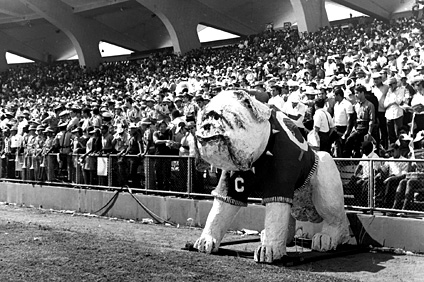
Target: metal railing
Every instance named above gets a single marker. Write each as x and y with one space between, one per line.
375 188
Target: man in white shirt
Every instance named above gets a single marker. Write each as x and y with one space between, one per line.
276 99
380 91
296 111
323 123
16 141
362 172
330 66
22 122
417 100
394 113
343 117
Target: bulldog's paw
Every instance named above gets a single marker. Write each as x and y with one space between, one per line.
268 253
322 242
206 244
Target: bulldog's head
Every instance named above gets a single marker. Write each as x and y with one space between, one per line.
233 130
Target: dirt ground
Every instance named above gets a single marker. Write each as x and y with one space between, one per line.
44 245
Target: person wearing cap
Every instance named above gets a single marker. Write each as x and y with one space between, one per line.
149 127
75 117
330 66
7 170
38 148
120 144
22 122
89 160
29 151
394 113
16 141
47 173
162 139
107 148
107 119
135 150
62 144
365 113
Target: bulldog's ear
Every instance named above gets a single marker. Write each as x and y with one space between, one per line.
261 111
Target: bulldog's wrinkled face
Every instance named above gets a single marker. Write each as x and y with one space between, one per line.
233 130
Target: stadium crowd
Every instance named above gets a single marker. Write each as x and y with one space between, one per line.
356 91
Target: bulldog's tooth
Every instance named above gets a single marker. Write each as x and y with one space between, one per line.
275 131
253 170
268 153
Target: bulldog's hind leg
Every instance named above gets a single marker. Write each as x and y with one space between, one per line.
217 224
277 219
327 196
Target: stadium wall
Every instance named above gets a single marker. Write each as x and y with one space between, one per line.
405 233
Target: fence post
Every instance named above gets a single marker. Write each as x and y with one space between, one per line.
75 158
189 176
109 171
147 173
3 159
371 190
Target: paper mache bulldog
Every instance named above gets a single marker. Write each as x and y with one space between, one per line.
260 149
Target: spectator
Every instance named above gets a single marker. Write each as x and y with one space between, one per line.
394 113
418 102
89 159
380 91
162 139
364 123
323 125
343 117
134 150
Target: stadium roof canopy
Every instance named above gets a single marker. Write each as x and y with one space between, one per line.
50 30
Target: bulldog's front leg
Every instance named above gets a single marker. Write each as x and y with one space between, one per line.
277 218
217 224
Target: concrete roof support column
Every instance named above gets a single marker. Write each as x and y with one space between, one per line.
310 14
61 15
3 62
181 18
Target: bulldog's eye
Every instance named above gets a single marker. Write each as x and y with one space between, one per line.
216 116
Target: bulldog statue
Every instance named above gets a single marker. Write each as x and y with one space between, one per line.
260 149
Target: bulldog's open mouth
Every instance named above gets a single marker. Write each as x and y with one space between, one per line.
212 139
